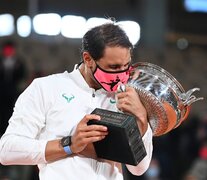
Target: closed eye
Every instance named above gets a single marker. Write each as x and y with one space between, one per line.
118 66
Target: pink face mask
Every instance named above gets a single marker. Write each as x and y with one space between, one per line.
110 80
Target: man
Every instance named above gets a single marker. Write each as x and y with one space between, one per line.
49 124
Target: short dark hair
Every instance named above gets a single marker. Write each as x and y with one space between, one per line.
97 38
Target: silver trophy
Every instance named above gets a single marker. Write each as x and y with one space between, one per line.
164 98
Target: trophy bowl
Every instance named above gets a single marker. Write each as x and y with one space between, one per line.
164 98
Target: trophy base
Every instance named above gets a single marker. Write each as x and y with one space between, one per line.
124 142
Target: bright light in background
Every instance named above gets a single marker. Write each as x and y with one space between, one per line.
69 26
6 24
196 5
95 21
24 26
132 30
76 27
73 26
47 24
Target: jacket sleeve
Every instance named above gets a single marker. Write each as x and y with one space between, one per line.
20 144
144 164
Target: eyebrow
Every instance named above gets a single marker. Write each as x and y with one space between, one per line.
128 62
118 65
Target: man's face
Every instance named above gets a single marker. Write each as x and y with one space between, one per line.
115 59
112 69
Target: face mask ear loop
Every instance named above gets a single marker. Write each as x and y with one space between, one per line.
79 64
95 77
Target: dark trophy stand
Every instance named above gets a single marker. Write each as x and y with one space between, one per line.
123 143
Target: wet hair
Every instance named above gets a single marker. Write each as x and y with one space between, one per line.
107 35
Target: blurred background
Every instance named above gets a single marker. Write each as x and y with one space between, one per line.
38 38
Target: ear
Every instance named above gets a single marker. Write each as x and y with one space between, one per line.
88 60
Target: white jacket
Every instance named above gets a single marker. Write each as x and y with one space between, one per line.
50 108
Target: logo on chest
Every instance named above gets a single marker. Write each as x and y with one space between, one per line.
112 101
67 97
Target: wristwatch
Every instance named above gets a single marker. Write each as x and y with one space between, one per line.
66 143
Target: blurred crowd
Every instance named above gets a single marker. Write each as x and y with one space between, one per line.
12 73
179 155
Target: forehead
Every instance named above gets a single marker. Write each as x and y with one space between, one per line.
116 55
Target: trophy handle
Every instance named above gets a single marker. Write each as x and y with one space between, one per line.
188 98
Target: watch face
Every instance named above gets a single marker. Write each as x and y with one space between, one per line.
66 141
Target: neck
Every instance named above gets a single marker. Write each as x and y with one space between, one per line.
88 76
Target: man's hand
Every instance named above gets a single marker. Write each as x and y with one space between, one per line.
85 135
82 140
129 102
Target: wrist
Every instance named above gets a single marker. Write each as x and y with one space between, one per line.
142 123
67 150
66 144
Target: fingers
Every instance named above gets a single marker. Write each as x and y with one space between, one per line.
92 128
129 100
82 138
86 134
123 100
130 92
79 143
89 117
91 139
90 136
84 127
